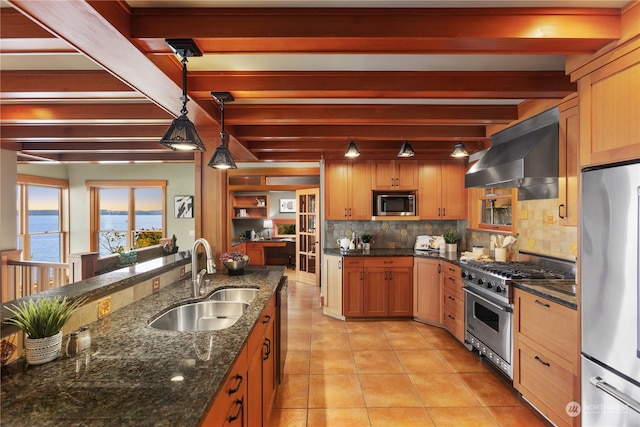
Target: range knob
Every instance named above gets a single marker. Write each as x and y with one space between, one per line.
472 276
464 274
491 284
499 289
481 281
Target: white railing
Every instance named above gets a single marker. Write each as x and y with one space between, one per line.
30 277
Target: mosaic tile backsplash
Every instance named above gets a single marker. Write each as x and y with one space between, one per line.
390 234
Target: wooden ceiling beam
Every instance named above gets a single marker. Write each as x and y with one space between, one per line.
506 30
89 146
43 113
86 132
239 114
37 81
384 84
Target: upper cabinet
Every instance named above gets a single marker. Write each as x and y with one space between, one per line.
347 190
394 175
441 191
609 114
568 162
493 209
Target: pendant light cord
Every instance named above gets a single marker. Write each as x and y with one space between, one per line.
223 136
184 86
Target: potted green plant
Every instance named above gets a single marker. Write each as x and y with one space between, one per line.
451 238
42 320
366 241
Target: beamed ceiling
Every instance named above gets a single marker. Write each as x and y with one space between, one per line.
86 81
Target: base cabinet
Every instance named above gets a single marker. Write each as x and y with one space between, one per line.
230 407
427 290
453 301
332 285
377 286
546 364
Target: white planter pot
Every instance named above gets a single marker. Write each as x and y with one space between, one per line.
452 247
42 350
366 246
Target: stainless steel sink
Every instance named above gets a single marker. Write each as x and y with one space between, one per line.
200 316
234 294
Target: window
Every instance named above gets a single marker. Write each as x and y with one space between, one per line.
41 215
126 214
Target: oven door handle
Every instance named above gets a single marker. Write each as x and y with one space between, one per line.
474 294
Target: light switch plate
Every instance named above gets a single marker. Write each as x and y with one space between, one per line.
182 272
156 284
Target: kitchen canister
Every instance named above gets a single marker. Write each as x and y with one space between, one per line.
501 254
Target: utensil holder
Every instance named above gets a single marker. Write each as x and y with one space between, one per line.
501 254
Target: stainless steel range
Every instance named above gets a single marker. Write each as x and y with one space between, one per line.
489 301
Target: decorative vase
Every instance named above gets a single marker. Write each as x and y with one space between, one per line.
235 268
366 246
452 247
43 350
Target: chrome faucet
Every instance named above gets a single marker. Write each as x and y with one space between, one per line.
196 278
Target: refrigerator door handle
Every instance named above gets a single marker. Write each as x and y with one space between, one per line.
601 384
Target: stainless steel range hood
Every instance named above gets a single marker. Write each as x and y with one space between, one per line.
523 156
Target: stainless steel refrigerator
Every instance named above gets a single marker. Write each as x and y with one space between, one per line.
609 262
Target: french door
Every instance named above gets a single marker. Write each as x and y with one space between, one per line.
307 236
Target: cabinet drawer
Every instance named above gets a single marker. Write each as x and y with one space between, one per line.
268 315
453 304
543 381
388 262
351 262
538 316
452 287
454 324
452 269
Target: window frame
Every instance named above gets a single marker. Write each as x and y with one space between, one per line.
94 187
23 184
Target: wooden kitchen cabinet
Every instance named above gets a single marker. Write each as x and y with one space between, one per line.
261 372
255 251
453 300
377 286
245 206
427 290
394 175
352 286
609 117
569 139
332 285
546 355
442 194
347 190
229 408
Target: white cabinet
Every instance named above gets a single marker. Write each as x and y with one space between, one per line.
332 286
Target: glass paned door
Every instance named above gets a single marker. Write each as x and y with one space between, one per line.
307 232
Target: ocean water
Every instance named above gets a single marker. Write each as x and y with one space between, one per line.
46 247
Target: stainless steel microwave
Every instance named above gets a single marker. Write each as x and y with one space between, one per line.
394 204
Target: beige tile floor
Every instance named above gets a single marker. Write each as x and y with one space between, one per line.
385 373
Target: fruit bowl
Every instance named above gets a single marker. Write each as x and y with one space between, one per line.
235 268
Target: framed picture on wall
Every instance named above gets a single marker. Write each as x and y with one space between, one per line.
287 205
184 206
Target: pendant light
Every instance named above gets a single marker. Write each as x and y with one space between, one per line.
406 150
459 150
182 134
222 159
352 150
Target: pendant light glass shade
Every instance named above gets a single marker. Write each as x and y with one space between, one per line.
459 151
352 150
222 158
406 150
182 134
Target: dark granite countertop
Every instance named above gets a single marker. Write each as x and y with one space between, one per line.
126 379
451 257
558 291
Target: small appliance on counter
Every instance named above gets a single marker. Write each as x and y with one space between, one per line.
428 243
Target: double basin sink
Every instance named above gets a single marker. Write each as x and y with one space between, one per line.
220 311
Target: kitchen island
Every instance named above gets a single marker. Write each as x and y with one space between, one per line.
135 375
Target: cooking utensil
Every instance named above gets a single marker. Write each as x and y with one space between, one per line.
494 242
508 241
500 241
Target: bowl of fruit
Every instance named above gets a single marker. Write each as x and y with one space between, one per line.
235 262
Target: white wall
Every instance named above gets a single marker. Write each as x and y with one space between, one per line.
180 181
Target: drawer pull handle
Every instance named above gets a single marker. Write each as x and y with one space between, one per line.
542 304
601 384
451 298
267 344
451 317
266 319
237 387
542 361
240 404
388 262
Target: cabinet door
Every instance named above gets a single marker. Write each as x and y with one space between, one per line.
376 291
254 390
454 195
400 288
352 291
383 175
360 197
568 163
406 174
430 196
269 381
255 253
427 290
336 193
332 279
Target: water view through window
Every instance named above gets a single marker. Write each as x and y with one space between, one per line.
43 224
